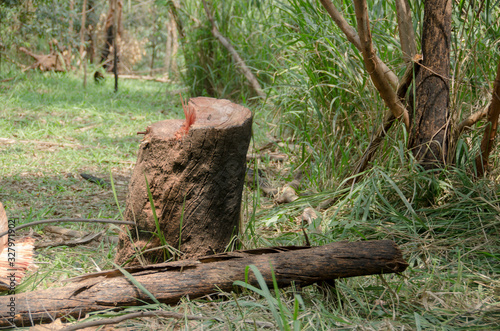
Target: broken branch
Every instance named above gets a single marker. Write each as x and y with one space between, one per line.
236 57
377 75
353 37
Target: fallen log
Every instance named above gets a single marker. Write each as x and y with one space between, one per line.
57 60
170 282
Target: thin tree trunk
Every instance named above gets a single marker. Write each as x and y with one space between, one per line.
405 28
430 130
491 127
153 52
109 33
90 28
83 63
115 42
171 40
70 28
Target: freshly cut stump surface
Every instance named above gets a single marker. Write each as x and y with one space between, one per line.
196 182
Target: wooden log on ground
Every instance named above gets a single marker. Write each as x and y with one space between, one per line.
170 282
195 173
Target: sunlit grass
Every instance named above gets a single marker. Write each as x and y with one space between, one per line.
322 108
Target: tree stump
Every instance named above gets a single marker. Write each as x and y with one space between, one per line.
196 182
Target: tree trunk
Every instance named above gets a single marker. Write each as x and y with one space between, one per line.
83 58
405 29
115 44
171 45
490 131
430 126
170 282
113 22
70 28
196 183
92 19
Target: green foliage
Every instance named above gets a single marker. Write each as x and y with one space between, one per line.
450 242
286 319
210 69
34 24
321 100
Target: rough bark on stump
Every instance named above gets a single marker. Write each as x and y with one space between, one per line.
170 282
196 182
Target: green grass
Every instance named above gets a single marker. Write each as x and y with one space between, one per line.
57 130
322 107
450 238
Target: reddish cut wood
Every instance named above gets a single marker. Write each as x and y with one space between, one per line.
196 180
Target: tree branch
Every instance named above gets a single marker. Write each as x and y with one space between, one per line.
74 220
470 121
353 37
406 33
377 75
411 71
490 131
236 57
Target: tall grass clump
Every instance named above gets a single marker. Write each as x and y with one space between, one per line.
450 240
209 67
325 97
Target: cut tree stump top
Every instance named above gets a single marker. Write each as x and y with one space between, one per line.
210 113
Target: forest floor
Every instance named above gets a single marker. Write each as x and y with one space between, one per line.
52 130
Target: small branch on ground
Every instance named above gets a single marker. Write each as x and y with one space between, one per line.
118 319
69 220
37 142
150 78
96 180
70 243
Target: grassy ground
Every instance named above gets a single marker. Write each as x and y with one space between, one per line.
52 130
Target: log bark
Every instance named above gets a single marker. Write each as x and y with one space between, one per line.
170 282
195 175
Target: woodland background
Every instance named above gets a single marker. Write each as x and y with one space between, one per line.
320 112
